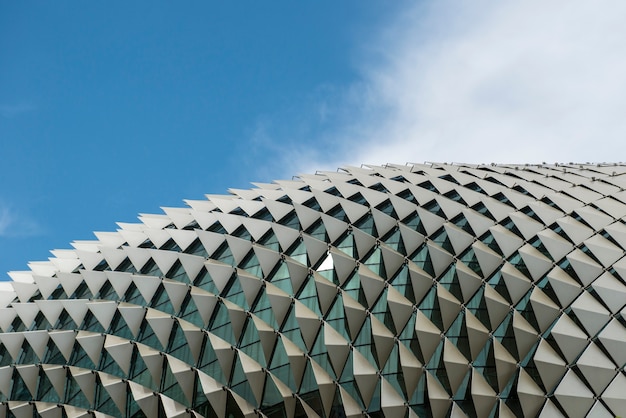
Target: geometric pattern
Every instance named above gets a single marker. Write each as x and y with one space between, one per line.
418 290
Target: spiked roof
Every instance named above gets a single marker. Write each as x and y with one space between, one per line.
420 290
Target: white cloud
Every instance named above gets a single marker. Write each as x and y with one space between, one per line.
486 82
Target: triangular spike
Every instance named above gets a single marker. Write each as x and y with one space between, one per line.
535 261
569 337
371 283
597 368
268 259
468 280
93 279
86 381
185 376
176 291
224 352
338 348
401 308
576 231
315 249
590 313
309 323
431 222
153 360
183 238
420 281
47 285
459 239
344 265
365 375
525 335
550 366
612 337
24 290
428 335
611 291
163 259
116 389
92 343
439 399
613 396
192 264
29 374
64 340
497 306
449 306
38 340
220 273
531 396
557 246
57 376
147 286
507 241
517 284
383 340
267 336
350 406
280 301
103 311
412 368
506 365
120 281
392 260
145 399
566 288
483 395
121 350
161 323
194 337
138 256
12 342
133 315
364 242
488 259
251 286
326 292
441 258
573 395
477 334
215 393
335 228
205 302
27 313
76 308
255 375
546 311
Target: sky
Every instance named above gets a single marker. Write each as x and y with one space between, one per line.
110 110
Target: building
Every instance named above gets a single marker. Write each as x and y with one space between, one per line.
418 290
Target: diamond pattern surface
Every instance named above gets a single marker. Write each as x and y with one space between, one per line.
418 290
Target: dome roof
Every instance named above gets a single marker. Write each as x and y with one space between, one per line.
404 290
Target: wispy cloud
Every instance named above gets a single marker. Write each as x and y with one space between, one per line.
5 221
13 224
12 110
484 82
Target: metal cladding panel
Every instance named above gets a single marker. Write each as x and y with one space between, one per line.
428 290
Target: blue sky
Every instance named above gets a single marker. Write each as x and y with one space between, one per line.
111 110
